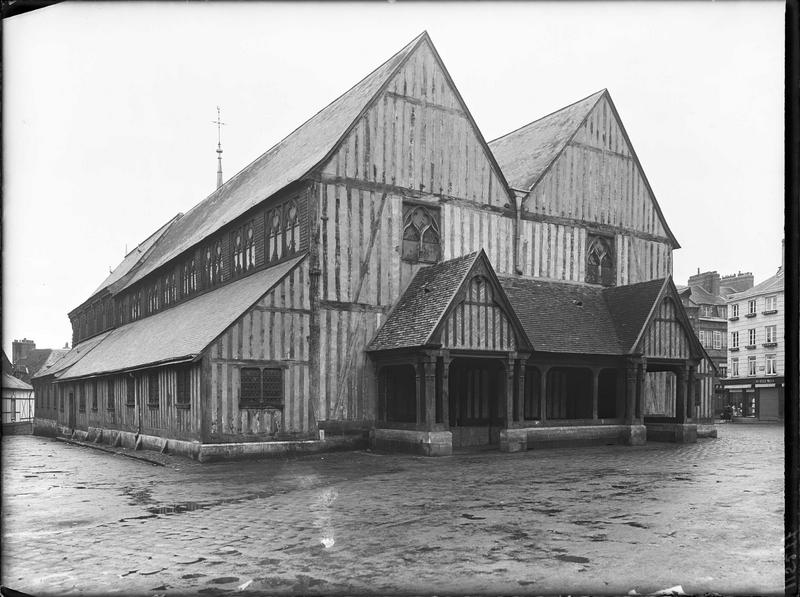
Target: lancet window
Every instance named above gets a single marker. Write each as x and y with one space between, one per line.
213 263
244 248
188 277
274 234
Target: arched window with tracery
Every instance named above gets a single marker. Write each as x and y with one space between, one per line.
188 277
213 263
274 235
244 248
292 227
421 236
600 260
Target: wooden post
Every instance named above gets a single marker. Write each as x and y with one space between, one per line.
681 388
520 411
429 366
420 393
314 409
446 388
509 412
632 390
690 389
543 393
595 390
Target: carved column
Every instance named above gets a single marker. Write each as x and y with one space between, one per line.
430 391
520 411
681 387
446 360
543 394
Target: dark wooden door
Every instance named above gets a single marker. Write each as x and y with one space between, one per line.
71 412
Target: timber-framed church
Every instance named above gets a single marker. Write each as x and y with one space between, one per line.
384 270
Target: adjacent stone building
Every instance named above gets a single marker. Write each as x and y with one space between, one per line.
756 348
385 270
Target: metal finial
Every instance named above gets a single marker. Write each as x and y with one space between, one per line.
219 124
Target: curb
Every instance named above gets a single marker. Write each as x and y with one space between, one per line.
109 450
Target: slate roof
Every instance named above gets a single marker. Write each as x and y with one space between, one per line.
12 383
560 317
178 333
630 307
525 154
134 257
55 355
422 306
770 285
283 164
73 356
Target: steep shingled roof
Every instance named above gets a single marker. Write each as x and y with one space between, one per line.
630 306
423 304
73 356
524 154
180 332
561 317
12 383
701 296
283 164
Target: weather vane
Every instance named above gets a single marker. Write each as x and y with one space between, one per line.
219 124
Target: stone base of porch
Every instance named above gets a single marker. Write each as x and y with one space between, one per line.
680 433
425 443
515 440
706 430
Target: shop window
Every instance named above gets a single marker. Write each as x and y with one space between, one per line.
260 387
421 234
600 260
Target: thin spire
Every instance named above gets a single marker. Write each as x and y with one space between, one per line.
219 124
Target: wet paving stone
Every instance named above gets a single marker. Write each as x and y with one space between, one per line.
605 519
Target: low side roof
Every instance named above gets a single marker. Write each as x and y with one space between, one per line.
416 315
283 164
524 154
55 355
73 356
630 307
560 317
12 383
180 332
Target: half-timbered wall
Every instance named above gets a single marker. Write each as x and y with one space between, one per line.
272 334
665 337
478 322
166 418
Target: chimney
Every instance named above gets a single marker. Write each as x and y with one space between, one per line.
708 281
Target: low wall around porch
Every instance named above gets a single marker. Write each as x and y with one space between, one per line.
424 443
680 433
527 438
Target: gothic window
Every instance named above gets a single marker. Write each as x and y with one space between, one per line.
168 289
152 299
213 263
188 277
421 237
274 235
136 305
292 227
244 249
600 261
261 387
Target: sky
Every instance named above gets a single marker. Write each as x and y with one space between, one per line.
108 110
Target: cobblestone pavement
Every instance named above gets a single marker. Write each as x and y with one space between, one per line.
604 519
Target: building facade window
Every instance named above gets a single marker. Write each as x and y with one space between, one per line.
717 340
751 337
600 260
152 390
734 339
771 304
771 365
421 236
723 370
188 277
734 367
771 334
261 387
751 307
735 310
184 385
701 335
751 365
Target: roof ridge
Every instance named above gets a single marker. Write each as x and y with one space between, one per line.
553 113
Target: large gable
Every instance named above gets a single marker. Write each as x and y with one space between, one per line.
285 163
579 163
